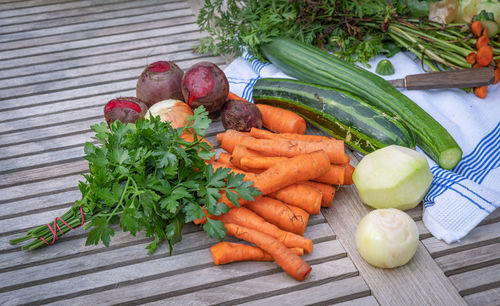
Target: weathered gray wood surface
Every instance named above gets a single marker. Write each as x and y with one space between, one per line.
61 61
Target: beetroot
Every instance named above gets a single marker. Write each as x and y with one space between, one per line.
241 116
205 84
160 81
125 109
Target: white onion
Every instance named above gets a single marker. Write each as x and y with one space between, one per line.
387 238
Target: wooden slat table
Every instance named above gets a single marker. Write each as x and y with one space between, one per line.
61 61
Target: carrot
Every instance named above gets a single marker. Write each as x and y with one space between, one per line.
245 217
327 192
471 58
299 168
476 28
485 32
231 139
497 75
482 41
239 152
484 56
220 136
233 96
349 170
260 163
225 158
481 91
290 148
281 120
290 262
334 176
302 196
263 134
286 217
227 252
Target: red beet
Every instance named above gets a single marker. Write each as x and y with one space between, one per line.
125 109
241 116
205 84
160 81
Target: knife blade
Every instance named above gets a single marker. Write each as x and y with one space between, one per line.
465 78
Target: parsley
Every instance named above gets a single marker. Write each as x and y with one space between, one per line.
145 177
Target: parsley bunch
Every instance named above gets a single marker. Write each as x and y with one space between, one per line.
144 176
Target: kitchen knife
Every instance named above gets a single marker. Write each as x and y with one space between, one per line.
464 78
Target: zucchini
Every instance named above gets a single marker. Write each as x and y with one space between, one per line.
311 64
342 114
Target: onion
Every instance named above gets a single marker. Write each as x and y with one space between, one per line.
174 111
387 238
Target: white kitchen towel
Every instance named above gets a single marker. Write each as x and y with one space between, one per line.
458 199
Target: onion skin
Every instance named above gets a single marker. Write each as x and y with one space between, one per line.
174 111
387 238
241 116
160 81
124 109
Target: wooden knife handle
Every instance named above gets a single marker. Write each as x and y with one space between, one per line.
464 78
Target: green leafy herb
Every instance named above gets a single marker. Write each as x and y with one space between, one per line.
356 30
145 177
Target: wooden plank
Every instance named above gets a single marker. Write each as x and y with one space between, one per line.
51 131
269 285
470 259
137 59
26 222
488 297
477 280
480 236
42 173
77 93
208 277
175 10
17 4
29 10
48 144
41 159
166 273
88 15
67 15
41 203
94 75
423 232
170 18
390 286
364 301
51 119
195 246
173 25
99 54
415 213
333 292
64 183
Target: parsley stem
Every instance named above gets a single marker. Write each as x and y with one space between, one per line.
120 202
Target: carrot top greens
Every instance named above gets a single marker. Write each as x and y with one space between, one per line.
144 176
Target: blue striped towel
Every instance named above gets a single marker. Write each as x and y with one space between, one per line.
460 199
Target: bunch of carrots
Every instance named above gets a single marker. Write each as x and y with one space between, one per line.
296 175
483 56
